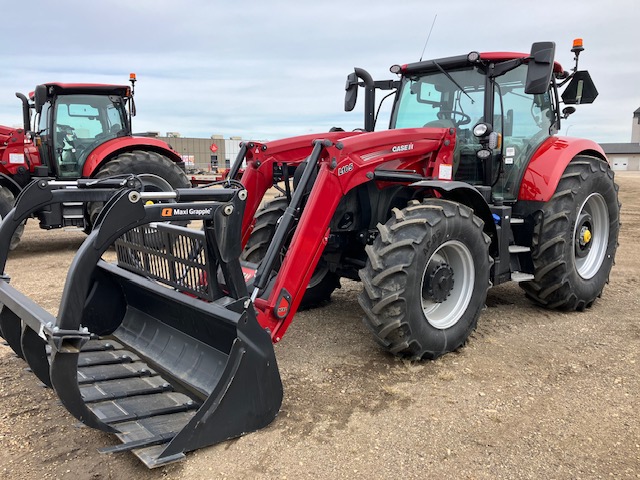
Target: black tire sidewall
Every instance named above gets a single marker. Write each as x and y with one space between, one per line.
592 287
393 275
7 201
441 340
138 162
258 243
561 286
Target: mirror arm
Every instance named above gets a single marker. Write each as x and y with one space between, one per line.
567 78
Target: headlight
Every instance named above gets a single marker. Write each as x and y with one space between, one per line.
473 57
481 130
483 154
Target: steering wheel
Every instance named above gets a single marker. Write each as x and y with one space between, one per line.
447 114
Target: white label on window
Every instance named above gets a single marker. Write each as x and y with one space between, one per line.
508 161
446 172
16 158
511 152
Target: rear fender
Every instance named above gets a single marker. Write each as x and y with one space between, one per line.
549 162
115 146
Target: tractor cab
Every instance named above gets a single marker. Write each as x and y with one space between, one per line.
73 119
502 106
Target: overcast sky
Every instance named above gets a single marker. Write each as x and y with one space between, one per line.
272 69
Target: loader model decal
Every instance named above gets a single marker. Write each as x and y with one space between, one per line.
345 169
170 212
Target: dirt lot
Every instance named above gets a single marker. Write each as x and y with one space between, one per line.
534 394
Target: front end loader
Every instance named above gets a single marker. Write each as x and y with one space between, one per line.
170 347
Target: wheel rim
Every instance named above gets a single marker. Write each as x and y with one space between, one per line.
447 284
591 236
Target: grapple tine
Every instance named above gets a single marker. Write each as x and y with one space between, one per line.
11 328
64 377
34 349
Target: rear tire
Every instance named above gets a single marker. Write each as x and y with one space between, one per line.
575 237
7 201
140 162
322 283
426 279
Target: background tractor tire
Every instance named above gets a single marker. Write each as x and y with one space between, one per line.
426 279
322 283
575 237
7 201
140 162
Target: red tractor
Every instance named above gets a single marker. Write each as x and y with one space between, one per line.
80 131
171 348
470 187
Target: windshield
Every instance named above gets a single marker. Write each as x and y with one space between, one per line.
434 100
82 122
524 121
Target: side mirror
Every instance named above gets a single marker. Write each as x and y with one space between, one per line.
540 68
351 88
40 97
581 89
566 111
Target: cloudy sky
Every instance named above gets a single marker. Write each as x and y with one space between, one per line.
271 69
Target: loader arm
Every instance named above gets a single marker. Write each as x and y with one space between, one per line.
342 166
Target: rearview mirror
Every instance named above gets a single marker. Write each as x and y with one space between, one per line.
540 68
351 88
40 97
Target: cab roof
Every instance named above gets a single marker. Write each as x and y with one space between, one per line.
460 61
55 88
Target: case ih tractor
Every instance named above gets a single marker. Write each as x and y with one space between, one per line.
171 348
80 131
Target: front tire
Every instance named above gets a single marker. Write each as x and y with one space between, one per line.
323 281
139 162
426 279
7 201
575 237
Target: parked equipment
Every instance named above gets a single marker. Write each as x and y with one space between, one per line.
80 131
469 188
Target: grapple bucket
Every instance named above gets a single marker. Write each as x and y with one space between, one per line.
148 348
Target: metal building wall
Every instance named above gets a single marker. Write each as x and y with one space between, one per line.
196 152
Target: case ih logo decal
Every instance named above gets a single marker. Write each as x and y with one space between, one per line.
395 149
345 169
402 148
172 212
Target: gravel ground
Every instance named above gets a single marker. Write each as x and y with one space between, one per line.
534 394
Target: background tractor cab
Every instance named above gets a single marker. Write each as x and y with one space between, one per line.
72 120
81 131
502 106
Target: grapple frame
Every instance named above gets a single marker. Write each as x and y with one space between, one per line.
162 369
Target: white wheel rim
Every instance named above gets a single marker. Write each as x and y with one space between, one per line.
442 315
588 265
